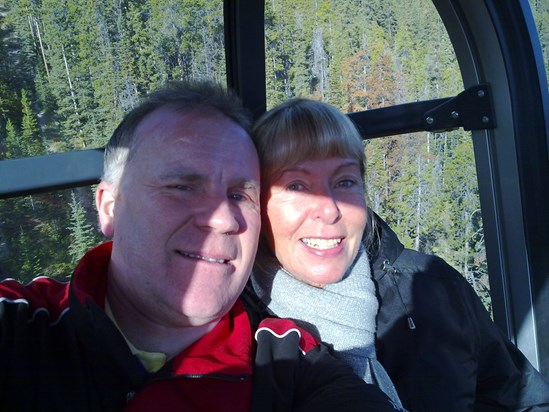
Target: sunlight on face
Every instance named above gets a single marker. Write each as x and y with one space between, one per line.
316 214
187 218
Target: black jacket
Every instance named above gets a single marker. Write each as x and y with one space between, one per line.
437 341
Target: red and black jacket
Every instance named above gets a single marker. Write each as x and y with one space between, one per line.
60 352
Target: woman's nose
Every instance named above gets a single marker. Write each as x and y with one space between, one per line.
325 209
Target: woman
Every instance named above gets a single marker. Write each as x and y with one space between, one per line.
315 215
319 243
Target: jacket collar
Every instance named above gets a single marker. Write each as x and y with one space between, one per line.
386 247
226 350
90 275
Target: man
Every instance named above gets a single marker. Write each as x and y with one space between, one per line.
151 320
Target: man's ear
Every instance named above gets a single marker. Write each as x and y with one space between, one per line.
104 201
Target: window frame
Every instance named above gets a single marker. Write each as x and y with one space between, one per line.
496 43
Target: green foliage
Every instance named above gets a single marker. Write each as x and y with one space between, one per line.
31 245
30 134
12 142
82 233
23 140
540 9
71 69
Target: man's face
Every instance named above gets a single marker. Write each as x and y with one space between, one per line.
185 220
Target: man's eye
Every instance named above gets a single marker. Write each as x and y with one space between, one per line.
183 188
238 197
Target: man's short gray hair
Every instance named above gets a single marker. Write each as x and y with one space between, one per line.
178 96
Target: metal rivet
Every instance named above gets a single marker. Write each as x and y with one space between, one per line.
480 93
429 120
485 119
454 114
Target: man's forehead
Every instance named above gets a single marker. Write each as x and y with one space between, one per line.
193 169
192 128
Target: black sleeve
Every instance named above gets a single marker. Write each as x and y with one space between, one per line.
286 379
326 384
456 358
506 379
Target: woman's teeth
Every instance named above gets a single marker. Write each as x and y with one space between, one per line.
321 243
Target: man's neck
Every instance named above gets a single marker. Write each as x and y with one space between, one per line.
147 335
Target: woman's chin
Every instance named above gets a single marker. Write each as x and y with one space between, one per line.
320 280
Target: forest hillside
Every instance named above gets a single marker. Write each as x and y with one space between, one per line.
70 70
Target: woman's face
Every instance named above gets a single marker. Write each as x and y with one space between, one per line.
315 214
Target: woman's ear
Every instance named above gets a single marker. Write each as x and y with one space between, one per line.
104 201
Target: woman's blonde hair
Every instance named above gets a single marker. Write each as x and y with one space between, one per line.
302 129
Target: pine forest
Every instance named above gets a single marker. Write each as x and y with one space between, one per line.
70 69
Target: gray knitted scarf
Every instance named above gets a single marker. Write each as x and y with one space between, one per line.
342 314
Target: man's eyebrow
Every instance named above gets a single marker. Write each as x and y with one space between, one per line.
193 177
186 175
248 184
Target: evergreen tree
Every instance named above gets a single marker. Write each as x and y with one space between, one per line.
71 69
12 143
30 265
540 9
141 64
300 48
279 32
31 144
82 234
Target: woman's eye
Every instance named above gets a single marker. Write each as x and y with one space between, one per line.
346 183
295 187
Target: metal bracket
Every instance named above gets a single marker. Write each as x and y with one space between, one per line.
471 109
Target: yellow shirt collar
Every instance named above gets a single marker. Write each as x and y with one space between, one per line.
153 361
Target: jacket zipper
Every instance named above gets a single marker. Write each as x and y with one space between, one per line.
388 268
234 378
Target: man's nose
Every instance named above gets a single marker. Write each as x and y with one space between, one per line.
219 215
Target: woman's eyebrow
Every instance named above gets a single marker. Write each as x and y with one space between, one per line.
350 163
301 169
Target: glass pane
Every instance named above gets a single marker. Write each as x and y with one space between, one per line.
425 186
540 10
360 55
46 234
69 70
